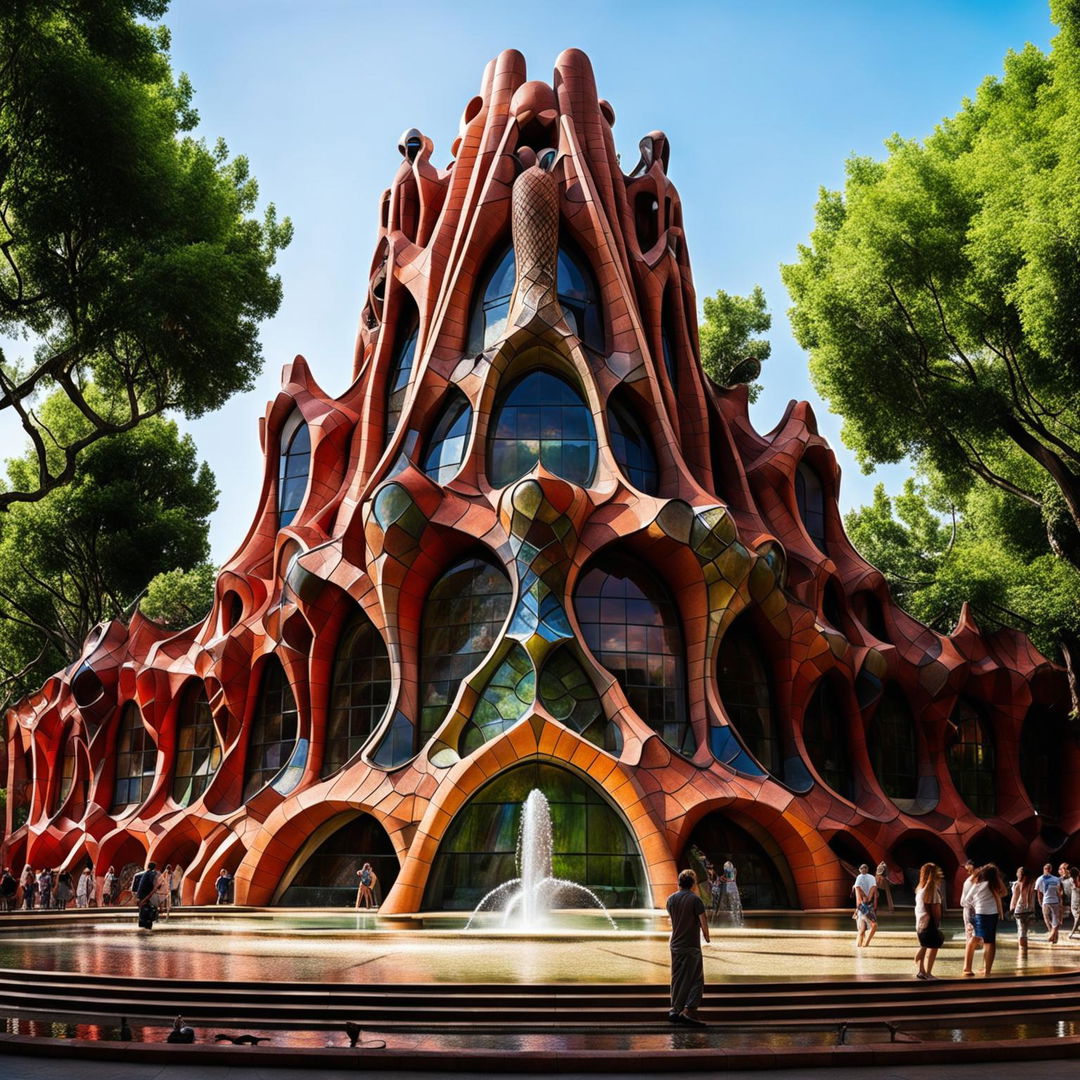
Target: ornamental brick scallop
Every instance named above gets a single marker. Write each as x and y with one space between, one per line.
532 545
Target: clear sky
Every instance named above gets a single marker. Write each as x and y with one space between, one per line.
762 102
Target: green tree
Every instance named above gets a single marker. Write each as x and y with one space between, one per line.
138 505
130 258
179 598
940 291
730 354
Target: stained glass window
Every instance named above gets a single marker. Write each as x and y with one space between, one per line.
359 693
505 700
198 752
401 368
591 844
295 463
632 448
893 748
811 502
825 735
631 625
542 417
446 451
746 691
136 757
567 692
274 730
971 757
463 615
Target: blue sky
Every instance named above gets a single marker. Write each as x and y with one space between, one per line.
762 103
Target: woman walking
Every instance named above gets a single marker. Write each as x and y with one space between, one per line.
85 891
984 900
1022 905
1074 901
928 903
29 888
884 887
161 897
108 888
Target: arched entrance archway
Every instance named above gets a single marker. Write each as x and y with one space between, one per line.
591 843
323 874
764 877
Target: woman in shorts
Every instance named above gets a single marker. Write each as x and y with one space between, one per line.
984 901
928 903
1022 906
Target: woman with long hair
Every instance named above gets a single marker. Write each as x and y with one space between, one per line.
929 895
984 900
1022 905
1074 900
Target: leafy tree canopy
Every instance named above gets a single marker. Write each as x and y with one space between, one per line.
138 505
130 258
939 296
730 354
179 598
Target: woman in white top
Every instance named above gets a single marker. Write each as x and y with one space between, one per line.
85 891
1022 905
984 901
928 904
1074 900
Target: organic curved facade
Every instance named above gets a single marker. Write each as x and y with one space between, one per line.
515 547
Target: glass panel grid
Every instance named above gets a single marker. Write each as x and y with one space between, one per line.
446 452
293 471
359 693
632 449
198 753
136 758
825 736
273 732
400 373
893 748
972 758
632 627
463 615
745 690
811 503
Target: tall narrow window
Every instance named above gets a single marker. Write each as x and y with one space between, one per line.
578 298
294 466
446 450
1042 740
746 691
825 736
631 447
893 747
463 615
811 502
542 418
67 772
631 625
487 326
198 752
667 347
972 758
359 693
136 756
275 726
401 367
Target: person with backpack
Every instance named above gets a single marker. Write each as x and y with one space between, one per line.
365 894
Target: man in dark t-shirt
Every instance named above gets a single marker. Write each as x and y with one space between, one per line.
688 924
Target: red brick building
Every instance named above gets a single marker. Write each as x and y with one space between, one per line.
533 545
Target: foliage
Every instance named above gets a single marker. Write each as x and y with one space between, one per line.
939 299
179 598
129 256
138 505
729 352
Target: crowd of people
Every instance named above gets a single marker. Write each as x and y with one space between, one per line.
57 890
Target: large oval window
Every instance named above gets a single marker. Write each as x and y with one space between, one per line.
542 418
274 753
972 758
136 756
631 624
893 748
746 691
198 752
825 736
463 615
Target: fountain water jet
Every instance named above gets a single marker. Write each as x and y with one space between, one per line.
527 900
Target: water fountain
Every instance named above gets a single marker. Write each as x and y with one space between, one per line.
528 900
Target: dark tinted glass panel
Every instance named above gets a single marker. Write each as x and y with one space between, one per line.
136 756
488 323
198 752
717 839
590 842
811 501
893 748
463 615
578 299
446 451
293 473
359 692
632 626
67 773
542 418
329 876
632 449
274 730
825 734
667 346
400 372
1041 760
972 758
745 690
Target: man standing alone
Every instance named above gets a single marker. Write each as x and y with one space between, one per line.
689 924
143 887
865 903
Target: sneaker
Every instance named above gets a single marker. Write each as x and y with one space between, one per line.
689 1021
